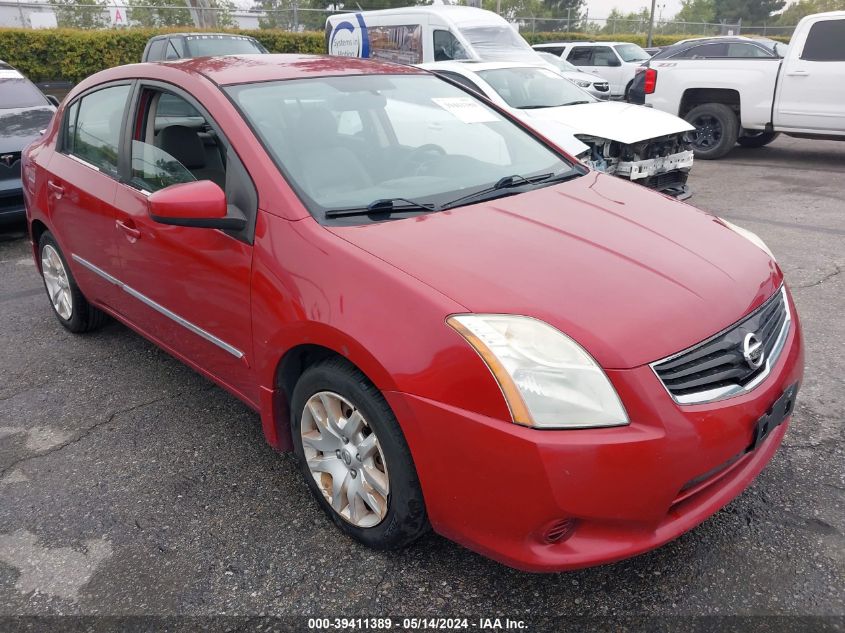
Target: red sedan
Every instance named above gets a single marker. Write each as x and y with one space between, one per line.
450 321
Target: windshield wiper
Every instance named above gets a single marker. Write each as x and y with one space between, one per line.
499 189
383 205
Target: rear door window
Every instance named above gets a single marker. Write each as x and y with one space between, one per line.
94 125
740 49
604 56
581 56
718 49
156 50
825 42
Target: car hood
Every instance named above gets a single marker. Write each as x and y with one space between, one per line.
630 274
578 76
20 126
612 120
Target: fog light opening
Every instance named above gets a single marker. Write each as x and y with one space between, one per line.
560 530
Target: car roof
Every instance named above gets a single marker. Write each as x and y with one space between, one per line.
455 12
579 43
200 34
238 69
683 45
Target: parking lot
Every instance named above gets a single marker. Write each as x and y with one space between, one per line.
131 485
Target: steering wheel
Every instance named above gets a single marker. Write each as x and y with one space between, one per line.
420 157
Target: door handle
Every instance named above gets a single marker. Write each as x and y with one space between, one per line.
131 232
58 190
797 73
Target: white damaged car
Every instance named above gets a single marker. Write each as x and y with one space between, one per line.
646 146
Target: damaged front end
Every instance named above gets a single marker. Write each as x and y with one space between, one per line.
661 163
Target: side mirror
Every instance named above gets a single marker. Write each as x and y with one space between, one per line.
200 204
53 99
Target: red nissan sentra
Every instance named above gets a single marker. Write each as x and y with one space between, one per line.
449 321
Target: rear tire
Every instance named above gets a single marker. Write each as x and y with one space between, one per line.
69 305
354 456
716 130
758 139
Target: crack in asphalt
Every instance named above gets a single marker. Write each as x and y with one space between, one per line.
86 432
837 270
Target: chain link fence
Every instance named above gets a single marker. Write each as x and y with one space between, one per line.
89 14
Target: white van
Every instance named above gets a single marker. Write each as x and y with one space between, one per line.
415 35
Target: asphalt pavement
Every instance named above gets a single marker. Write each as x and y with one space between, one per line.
130 485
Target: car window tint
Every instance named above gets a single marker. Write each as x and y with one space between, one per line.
740 49
461 80
554 50
604 56
96 135
581 56
718 49
156 50
447 46
825 42
171 52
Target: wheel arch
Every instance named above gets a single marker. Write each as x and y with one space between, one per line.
37 228
693 97
289 367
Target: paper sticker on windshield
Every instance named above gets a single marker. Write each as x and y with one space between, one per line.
466 109
10 74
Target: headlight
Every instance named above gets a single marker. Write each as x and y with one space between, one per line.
548 380
583 84
751 237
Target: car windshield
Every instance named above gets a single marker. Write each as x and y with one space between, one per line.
211 45
18 92
499 43
557 62
528 88
348 142
631 53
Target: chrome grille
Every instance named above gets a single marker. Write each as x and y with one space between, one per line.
722 366
601 86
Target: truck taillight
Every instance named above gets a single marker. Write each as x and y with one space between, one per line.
650 81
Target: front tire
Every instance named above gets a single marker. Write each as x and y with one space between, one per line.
757 139
354 456
716 130
69 304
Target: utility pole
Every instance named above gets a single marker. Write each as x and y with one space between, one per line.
651 25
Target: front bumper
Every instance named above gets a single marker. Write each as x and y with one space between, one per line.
495 487
11 201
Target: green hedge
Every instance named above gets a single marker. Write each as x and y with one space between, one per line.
72 55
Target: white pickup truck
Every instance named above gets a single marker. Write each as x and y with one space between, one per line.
736 97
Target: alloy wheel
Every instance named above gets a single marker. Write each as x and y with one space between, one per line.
708 132
345 458
57 282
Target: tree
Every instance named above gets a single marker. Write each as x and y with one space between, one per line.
80 14
618 22
208 14
696 11
150 13
794 12
751 12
